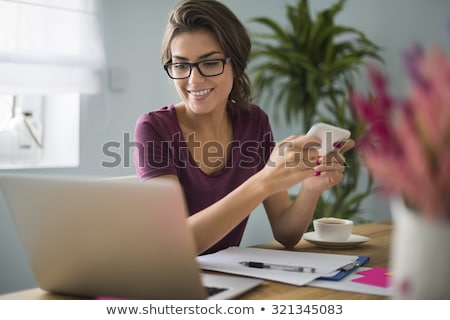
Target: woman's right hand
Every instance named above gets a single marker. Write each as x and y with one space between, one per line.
291 161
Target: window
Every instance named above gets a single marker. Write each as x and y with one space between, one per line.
49 46
51 52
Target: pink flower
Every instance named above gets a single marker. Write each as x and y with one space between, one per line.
406 143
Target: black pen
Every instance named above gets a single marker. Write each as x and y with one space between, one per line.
262 265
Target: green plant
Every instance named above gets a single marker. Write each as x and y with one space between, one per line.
307 70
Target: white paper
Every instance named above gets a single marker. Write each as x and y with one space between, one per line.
228 261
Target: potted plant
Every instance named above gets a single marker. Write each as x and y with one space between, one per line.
308 68
406 147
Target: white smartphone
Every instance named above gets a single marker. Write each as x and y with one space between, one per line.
329 134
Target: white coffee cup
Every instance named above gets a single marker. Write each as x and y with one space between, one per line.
333 229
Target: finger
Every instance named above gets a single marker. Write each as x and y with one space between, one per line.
344 145
308 147
332 177
330 168
300 142
334 157
300 149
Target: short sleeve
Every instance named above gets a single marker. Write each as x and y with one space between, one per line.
153 155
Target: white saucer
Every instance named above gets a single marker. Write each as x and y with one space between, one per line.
353 241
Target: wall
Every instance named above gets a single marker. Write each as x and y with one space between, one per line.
136 83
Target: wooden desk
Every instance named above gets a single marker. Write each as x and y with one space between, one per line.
378 249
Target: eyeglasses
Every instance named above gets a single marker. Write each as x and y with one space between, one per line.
207 68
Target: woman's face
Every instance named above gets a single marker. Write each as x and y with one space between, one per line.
201 95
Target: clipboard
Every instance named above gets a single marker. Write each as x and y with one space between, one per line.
230 261
343 273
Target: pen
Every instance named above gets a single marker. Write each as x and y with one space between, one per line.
349 266
262 265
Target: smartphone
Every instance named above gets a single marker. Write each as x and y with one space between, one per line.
329 134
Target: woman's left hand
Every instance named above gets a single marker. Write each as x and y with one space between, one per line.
330 168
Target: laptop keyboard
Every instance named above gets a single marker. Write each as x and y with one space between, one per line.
210 291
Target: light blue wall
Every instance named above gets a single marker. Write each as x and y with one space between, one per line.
133 31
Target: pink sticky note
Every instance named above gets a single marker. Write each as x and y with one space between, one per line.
379 277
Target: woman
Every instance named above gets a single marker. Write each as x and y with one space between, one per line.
219 145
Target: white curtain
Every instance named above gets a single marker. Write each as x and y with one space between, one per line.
50 46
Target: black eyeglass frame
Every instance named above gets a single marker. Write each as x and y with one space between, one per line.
195 64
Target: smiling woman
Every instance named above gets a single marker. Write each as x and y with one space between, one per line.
202 141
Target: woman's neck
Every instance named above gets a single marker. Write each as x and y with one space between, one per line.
213 126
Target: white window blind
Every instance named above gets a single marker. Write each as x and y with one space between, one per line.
50 46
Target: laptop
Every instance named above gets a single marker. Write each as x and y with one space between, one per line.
115 238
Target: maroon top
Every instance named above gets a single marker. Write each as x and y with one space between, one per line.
161 150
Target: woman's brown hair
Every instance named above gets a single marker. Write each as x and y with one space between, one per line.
214 17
